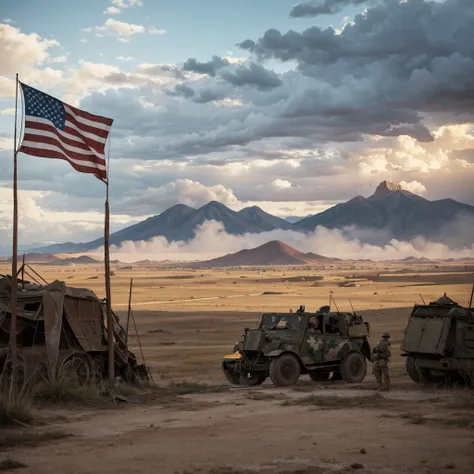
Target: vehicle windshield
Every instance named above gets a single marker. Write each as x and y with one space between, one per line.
286 321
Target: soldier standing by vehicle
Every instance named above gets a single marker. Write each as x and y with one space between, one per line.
380 358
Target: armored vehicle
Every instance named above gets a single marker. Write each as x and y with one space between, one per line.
287 345
439 343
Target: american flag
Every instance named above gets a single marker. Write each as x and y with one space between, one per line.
54 129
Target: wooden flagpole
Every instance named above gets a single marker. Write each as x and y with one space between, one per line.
14 287
110 326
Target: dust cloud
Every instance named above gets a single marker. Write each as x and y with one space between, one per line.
211 240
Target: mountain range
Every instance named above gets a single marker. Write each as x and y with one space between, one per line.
400 214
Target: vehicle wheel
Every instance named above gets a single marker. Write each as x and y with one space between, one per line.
285 370
412 371
97 370
76 367
17 378
427 377
42 373
252 380
468 377
319 376
353 367
231 377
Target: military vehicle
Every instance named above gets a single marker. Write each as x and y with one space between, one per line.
439 343
325 345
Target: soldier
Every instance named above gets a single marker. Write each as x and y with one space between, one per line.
314 326
380 358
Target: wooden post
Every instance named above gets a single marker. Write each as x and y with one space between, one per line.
110 324
23 273
129 311
15 241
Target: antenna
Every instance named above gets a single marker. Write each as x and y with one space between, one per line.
353 310
470 301
337 309
422 298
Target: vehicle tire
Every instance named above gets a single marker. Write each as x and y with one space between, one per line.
231 377
285 370
319 376
468 377
412 371
252 380
353 367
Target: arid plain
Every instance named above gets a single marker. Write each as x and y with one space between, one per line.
188 318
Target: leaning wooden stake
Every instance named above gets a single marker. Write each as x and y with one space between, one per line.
129 311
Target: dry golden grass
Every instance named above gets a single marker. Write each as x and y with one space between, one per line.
15 407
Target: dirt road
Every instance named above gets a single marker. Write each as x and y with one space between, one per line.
318 428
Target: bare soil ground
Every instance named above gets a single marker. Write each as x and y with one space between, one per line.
188 319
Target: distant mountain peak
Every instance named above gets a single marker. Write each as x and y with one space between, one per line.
278 246
216 204
274 252
387 187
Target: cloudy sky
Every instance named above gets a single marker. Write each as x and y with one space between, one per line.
293 107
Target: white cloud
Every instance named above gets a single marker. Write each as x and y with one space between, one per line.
118 5
38 224
10 111
59 59
125 58
112 11
156 31
120 29
6 144
281 183
414 187
20 53
185 191
9 21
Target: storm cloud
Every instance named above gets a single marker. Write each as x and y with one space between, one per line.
210 67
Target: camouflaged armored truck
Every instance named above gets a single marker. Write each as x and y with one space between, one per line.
325 345
439 343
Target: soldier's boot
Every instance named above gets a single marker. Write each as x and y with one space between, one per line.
378 381
386 379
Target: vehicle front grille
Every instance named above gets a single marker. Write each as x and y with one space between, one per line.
253 340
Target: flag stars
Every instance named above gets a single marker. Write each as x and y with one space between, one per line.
41 105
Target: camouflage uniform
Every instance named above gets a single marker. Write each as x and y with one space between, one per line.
380 358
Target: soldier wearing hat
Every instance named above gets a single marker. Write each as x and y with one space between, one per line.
380 358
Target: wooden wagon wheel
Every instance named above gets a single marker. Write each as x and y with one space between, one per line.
97 370
19 377
76 367
41 373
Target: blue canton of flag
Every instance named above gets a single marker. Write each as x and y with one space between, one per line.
39 104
